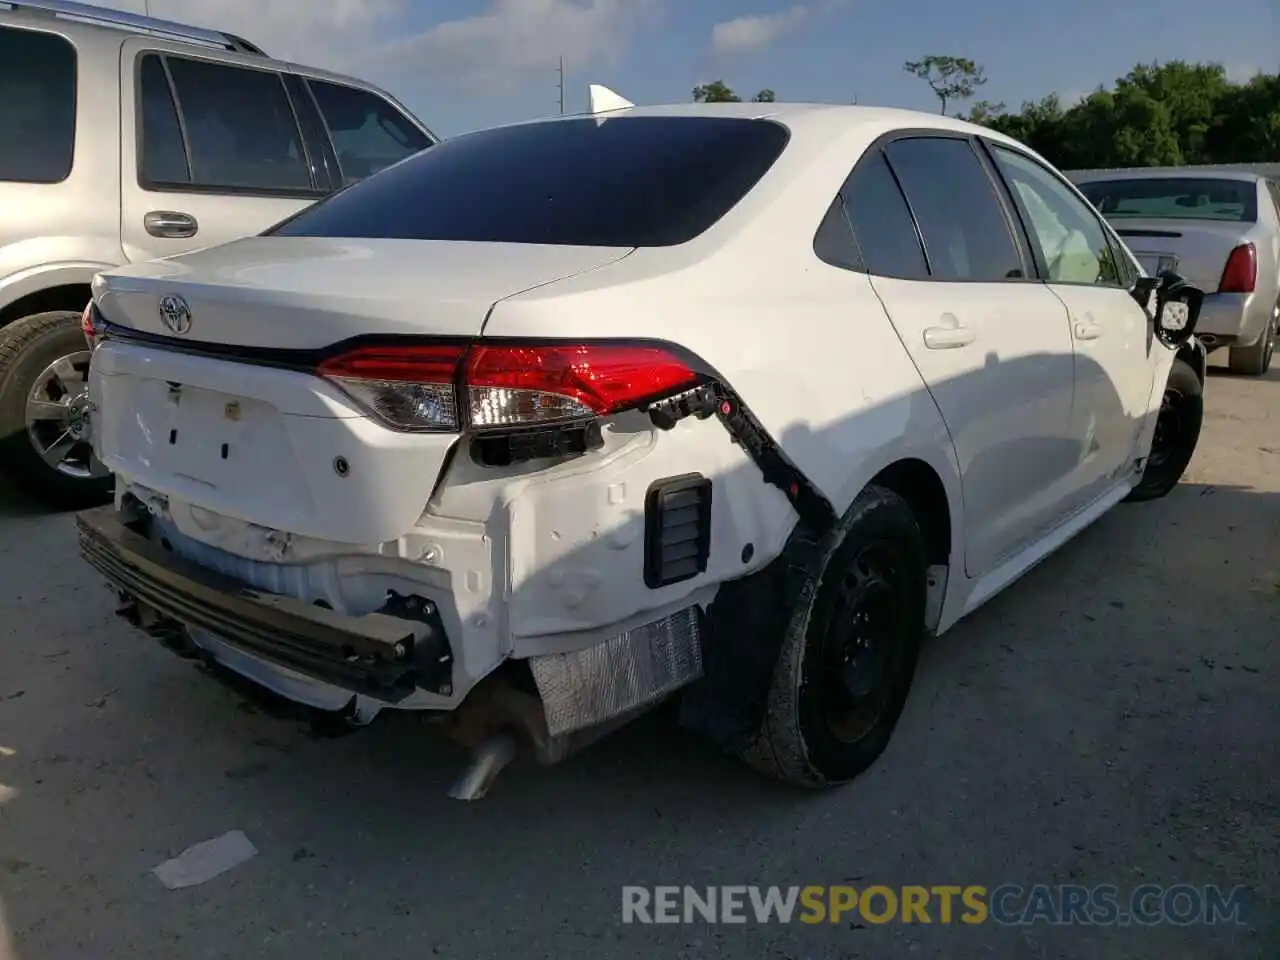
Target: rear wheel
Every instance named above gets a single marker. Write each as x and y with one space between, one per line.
1177 433
1254 361
44 412
850 650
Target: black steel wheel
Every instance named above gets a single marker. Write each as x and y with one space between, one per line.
1176 435
851 649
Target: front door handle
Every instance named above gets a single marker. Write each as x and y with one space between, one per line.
1087 331
170 224
948 337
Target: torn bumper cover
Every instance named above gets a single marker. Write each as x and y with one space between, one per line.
383 656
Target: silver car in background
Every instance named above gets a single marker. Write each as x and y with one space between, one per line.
1220 230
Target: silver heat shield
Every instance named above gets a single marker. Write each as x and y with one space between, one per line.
633 669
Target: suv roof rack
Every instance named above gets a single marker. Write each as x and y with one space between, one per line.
168 29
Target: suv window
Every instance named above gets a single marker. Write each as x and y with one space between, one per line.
1068 234
368 133
240 130
37 106
966 235
882 222
620 182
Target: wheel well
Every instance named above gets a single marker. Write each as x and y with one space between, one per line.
918 484
71 296
1197 360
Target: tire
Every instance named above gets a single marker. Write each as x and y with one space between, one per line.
1177 433
1254 361
816 731
29 350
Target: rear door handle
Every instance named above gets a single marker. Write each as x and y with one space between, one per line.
1087 331
949 337
170 224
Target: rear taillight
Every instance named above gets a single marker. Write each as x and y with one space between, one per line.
87 326
509 386
411 386
488 386
1241 272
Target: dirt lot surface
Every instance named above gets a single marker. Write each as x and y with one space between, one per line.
1112 719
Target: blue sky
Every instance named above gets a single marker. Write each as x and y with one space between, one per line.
462 64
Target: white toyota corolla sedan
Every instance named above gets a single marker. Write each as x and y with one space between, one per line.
552 421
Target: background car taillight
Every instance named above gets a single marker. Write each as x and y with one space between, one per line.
87 326
493 386
1241 272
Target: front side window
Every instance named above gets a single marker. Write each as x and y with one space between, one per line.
37 106
240 128
1175 198
965 233
615 182
1071 241
368 133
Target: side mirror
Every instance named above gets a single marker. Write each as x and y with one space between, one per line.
1176 307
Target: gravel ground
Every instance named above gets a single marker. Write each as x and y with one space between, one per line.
1109 720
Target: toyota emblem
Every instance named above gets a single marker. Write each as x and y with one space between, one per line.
175 313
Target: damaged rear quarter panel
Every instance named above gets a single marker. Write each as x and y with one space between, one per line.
574 532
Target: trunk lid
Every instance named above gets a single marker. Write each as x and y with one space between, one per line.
1196 249
306 293
283 448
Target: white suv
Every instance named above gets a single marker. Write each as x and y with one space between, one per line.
124 138
552 420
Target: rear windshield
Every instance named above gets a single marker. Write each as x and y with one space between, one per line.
617 182
1166 198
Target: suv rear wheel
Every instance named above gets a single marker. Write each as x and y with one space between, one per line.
44 418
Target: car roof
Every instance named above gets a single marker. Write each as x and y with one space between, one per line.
815 121
87 31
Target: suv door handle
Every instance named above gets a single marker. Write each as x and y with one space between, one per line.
170 224
949 337
1087 331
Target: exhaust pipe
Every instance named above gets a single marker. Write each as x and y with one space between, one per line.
487 762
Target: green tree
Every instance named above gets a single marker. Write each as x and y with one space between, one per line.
950 78
1155 115
717 91
765 96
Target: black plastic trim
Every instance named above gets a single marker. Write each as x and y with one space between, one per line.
671 494
376 654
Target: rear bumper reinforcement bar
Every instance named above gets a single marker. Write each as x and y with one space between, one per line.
382 656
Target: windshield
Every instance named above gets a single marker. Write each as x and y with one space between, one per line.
616 182
1168 198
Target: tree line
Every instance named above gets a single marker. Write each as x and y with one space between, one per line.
1155 115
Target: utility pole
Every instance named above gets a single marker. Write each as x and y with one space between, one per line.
562 85
146 7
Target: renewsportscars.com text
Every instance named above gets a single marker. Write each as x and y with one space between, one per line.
1009 904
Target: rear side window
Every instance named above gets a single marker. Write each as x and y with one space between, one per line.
966 235
37 106
367 132
882 222
164 158
240 131
617 182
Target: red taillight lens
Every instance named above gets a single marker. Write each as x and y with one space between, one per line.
87 327
517 385
409 386
1241 272
417 387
